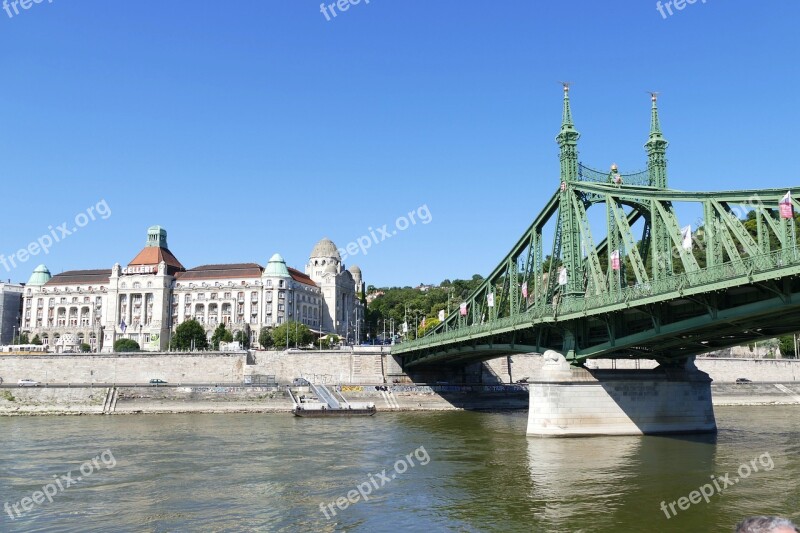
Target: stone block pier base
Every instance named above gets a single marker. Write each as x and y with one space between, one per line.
568 401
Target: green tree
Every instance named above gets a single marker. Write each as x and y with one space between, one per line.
126 345
85 348
188 335
242 337
430 323
221 334
265 338
787 346
36 340
298 334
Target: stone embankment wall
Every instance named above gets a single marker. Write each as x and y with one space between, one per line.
122 368
223 399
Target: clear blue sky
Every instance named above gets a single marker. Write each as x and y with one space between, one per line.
253 127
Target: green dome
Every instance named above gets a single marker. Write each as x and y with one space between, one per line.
40 276
276 267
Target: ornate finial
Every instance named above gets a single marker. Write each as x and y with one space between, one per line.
566 84
653 96
614 167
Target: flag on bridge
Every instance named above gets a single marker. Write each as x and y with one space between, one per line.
525 289
615 260
123 326
441 315
464 309
562 276
686 237
786 209
490 299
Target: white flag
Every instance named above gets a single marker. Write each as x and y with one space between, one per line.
490 299
562 276
686 237
441 315
405 327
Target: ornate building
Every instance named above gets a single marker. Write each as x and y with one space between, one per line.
147 299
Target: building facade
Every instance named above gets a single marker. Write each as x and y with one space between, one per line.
147 299
10 311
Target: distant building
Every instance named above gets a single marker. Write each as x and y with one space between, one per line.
10 311
147 299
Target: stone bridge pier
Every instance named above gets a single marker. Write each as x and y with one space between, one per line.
567 401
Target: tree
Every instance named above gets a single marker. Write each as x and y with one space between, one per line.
243 338
298 334
787 346
36 340
85 348
126 345
190 335
265 338
430 323
21 339
221 334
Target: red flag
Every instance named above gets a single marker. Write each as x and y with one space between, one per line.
786 209
615 260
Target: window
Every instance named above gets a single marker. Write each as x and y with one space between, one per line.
137 285
227 296
269 283
280 283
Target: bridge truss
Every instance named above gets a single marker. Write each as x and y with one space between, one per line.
647 288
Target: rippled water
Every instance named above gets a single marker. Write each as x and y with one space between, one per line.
272 472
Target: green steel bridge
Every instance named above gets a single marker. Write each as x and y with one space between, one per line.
647 288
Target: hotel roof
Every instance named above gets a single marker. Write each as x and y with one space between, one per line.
79 277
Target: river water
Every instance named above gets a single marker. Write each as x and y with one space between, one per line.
434 471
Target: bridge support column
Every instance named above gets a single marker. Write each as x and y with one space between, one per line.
567 401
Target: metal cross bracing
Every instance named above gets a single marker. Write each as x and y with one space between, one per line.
646 289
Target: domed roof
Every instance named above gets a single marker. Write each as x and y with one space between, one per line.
325 248
354 270
276 267
330 267
40 276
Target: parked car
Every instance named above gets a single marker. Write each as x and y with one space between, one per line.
27 383
743 380
157 382
299 382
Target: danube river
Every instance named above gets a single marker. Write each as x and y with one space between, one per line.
442 471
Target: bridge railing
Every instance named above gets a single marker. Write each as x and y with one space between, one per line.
776 260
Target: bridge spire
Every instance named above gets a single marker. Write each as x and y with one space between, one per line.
569 227
567 139
656 147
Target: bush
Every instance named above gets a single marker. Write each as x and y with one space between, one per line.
85 348
126 345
